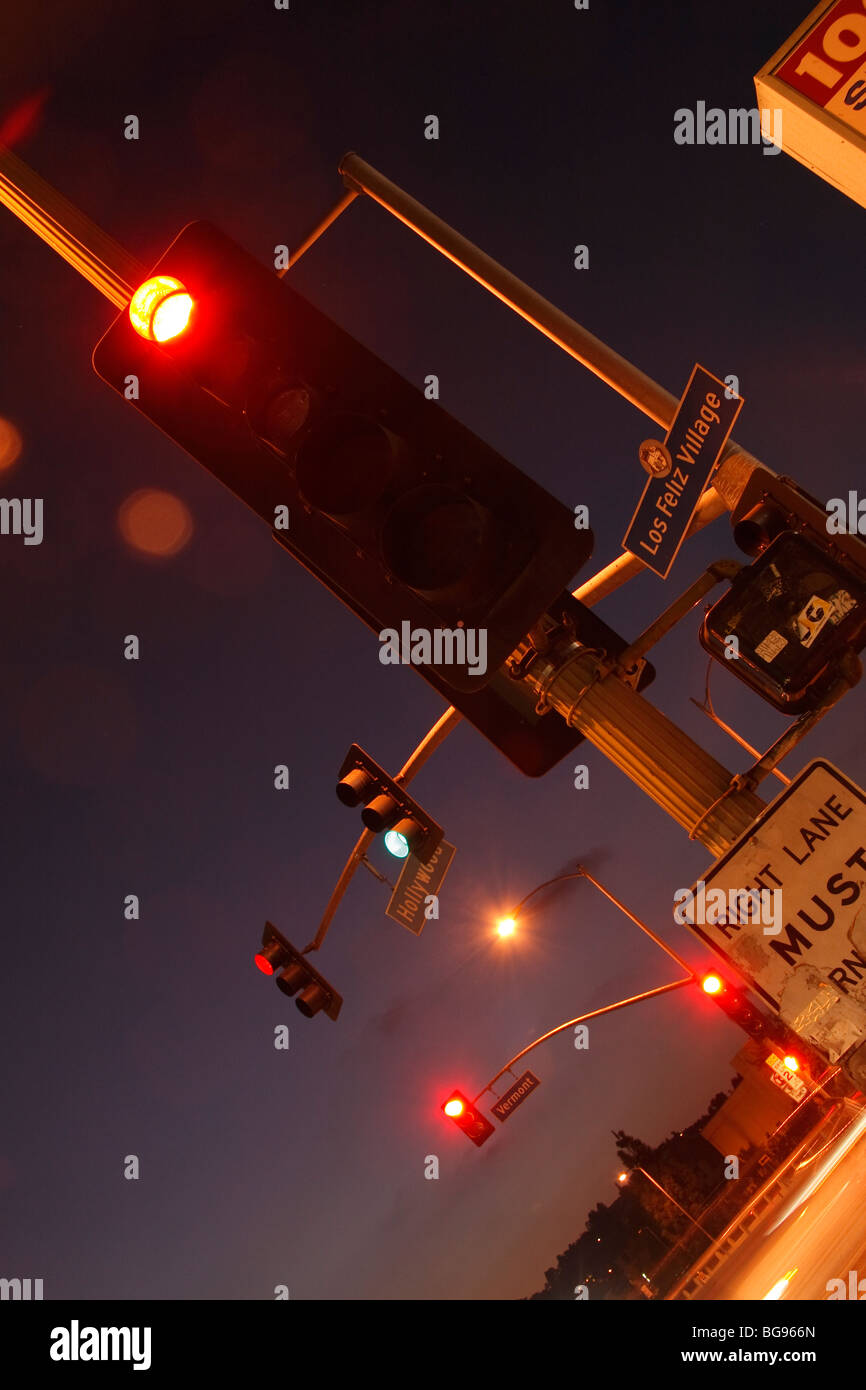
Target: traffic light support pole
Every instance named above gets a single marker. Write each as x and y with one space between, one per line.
674 771
583 1018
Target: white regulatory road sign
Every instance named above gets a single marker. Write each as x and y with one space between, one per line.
787 907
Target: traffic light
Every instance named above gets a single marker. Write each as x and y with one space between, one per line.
296 975
412 521
736 1005
466 1117
770 505
387 806
768 1028
796 613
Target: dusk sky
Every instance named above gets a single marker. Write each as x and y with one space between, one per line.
155 777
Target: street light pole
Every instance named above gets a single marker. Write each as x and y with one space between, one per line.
638 1169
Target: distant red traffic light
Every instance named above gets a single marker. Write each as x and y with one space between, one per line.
465 1116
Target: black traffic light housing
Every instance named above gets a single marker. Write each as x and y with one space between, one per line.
396 507
770 505
469 1118
767 1028
296 975
795 611
740 1009
387 805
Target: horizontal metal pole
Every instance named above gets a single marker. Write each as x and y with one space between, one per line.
583 1018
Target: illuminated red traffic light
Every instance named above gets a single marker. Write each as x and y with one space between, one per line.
160 309
467 1117
712 984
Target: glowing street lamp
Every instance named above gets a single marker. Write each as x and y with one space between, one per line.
506 926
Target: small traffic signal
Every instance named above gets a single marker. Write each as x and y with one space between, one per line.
412 521
296 975
466 1117
770 505
736 1005
387 806
796 614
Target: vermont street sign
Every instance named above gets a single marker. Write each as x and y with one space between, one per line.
417 883
507 1104
704 419
787 907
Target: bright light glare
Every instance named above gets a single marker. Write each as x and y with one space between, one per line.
779 1288
453 1108
171 317
396 844
622 1177
506 926
160 308
711 984
791 1063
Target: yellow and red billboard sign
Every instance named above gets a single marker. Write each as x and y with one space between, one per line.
818 81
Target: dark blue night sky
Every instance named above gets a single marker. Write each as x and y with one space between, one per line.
154 1037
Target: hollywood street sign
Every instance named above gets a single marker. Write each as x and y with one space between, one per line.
808 959
417 885
704 419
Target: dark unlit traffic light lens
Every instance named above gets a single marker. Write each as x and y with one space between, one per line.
346 464
381 814
354 787
285 415
437 539
293 978
312 1000
754 532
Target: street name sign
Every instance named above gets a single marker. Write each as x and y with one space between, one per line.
507 1104
699 432
786 906
417 883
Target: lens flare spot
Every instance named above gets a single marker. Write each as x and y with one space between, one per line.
155 522
11 445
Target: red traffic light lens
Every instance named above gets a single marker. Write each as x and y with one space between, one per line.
453 1108
263 964
160 309
712 984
